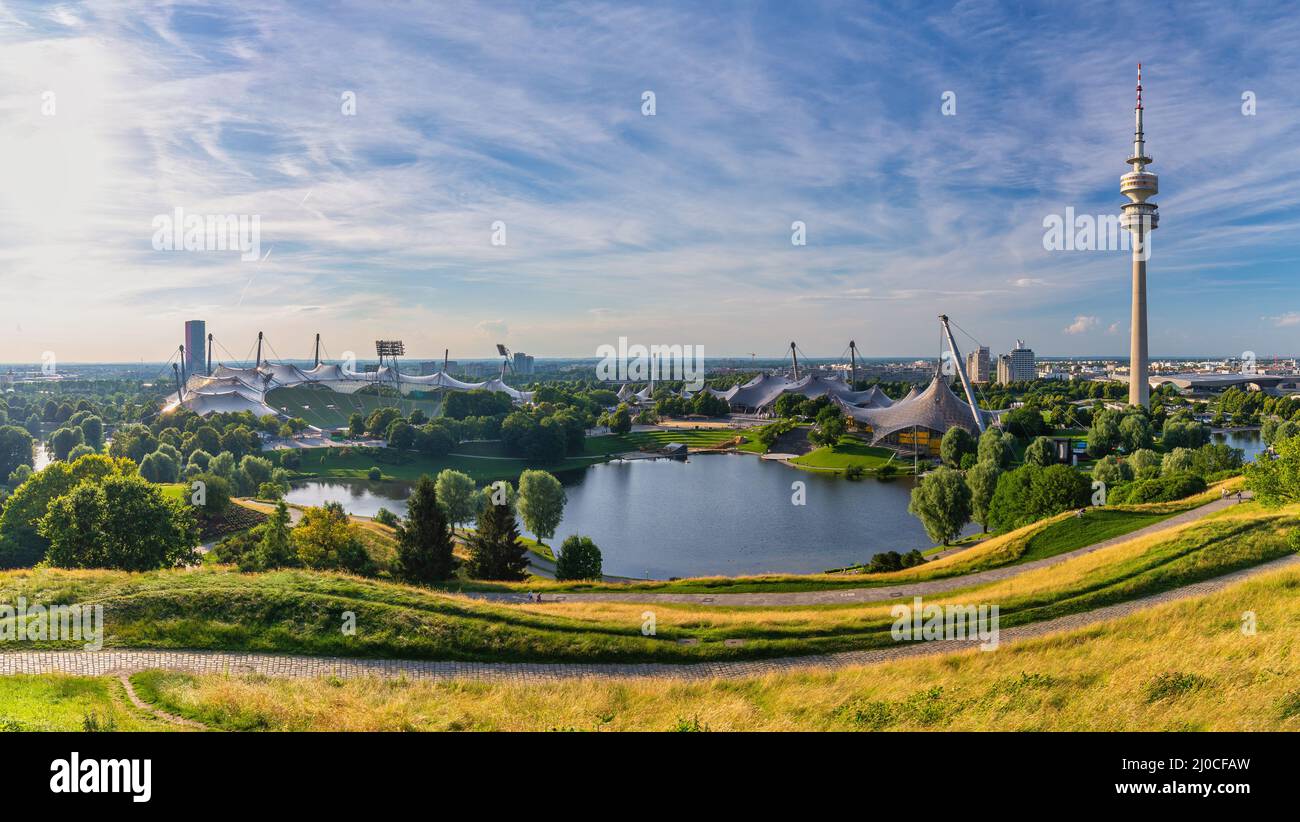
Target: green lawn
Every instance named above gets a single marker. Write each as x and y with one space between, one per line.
55 702
611 444
330 409
849 451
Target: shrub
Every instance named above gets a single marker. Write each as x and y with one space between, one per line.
385 517
579 559
1165 488
374 473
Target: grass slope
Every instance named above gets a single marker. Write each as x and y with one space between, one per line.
301 612
1180 667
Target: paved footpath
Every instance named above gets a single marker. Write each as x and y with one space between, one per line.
117 662
877 593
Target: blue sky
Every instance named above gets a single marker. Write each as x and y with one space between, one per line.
666 229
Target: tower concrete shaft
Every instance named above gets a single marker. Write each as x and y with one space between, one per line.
1140 218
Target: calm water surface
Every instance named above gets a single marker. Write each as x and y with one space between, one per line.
711 514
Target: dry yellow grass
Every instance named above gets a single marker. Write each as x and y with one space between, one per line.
1183 666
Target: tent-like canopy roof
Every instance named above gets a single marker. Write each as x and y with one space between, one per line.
936 408
244 389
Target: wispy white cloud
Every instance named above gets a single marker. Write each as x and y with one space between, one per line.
617 223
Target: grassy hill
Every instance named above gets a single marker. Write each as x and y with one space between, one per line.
1179 667
300 612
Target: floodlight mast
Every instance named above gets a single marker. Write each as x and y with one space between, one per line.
961 373
505 359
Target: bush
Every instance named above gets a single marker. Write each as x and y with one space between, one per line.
1166 488
385 517
888 561
579 558
374 473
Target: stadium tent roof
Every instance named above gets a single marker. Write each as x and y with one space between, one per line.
936 408
231 401
873 397
760 391
244 389
911 394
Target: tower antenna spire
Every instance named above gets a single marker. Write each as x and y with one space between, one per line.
1139 103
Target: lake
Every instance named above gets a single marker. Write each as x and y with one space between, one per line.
712 514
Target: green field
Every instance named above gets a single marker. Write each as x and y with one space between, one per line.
610 444
1184 666
67 703
330 409
849 451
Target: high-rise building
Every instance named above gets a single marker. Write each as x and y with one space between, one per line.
196 347
978 365
1140 218
523 363
1017 366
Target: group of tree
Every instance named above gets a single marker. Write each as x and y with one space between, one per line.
95 512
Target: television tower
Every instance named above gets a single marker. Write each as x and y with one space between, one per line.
1140 218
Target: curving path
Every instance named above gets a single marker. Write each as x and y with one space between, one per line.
879 593
116 662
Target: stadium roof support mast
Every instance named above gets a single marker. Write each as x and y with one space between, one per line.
316 364
186 376
180 391
258 362
208 372
794 356
853 363
961 372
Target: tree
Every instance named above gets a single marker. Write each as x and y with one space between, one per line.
994 447
1135 432
1058 488
1112 471
1025 422
19 523
957 442
541 503
1215 457
457 495
1146 463
621 421
327 539
1276 482
495 550
120 522
159 468
380 419
275 549
15 449
64 440
830 427
982 480
1177 461
1041 452
579 559
424 538
942 502
356 426
92 429
1104 434
400 435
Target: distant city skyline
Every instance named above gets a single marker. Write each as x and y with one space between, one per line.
920 151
